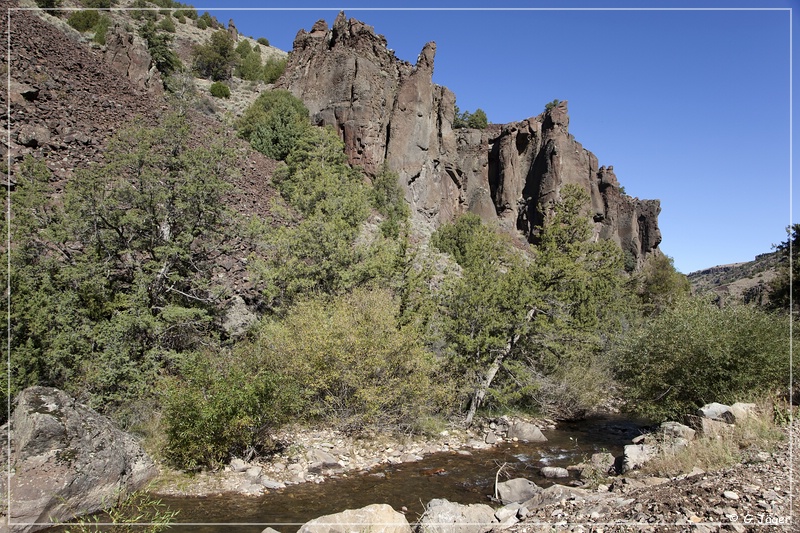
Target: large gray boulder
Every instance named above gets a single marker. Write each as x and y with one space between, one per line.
442 516
526 432
517 490
376 518
66 460
635 455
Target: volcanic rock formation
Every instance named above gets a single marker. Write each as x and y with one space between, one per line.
390 112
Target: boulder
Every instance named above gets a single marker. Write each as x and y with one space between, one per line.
321 460
238 465
677 430
602 462
635 455
741 411
33 135
556 493
526 432
67 460
717 411
516 490
554 472
442 516
376 518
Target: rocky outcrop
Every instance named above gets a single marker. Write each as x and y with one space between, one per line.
390 112
127 54
67 460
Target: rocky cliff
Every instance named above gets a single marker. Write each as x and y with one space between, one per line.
388 111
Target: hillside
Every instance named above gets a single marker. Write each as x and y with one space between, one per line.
746 282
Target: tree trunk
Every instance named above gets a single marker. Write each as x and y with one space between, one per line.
486 382
491 372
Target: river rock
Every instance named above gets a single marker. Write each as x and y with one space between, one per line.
67 460
271 483
635 455
377 518
556 493
603 462
526 432
516 490
238 465
554 472
442 516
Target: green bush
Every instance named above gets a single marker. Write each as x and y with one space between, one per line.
273 69
83 20
48 4
222 405
552 105
351 364
217 57
263 40
167 25
220 90
98 4
158 44
274 122
477 120
697 352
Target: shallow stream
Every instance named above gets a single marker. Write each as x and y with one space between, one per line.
463 479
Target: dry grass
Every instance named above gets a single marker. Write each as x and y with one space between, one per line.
756 433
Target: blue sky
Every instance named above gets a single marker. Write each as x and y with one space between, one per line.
690 106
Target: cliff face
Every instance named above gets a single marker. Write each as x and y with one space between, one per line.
388 111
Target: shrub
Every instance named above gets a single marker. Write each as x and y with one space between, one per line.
207 20
143 11
98 4
351 364
48 4
243 49
273 69
697 352
274 122
552 105
220 90
263 40
217 57
250 67
221 406
101 29
158 44
83 20
477 120
167 25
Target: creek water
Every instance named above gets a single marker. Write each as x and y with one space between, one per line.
464 479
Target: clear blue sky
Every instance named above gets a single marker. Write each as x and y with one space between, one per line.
691 107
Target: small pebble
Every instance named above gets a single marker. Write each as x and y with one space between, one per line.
730 495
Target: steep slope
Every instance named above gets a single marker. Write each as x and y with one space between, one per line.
746 282
390 112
